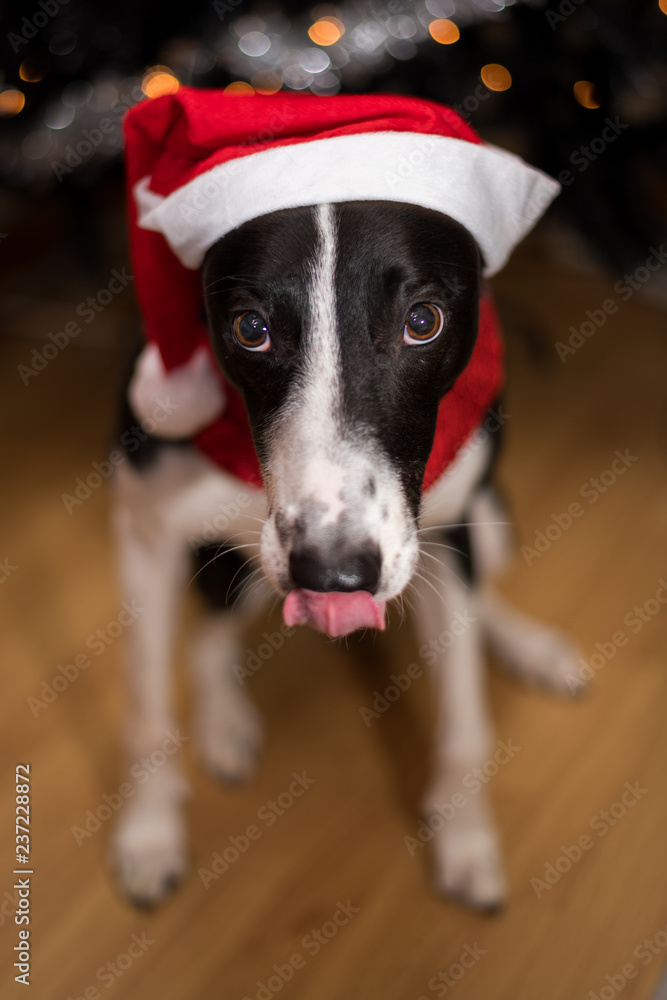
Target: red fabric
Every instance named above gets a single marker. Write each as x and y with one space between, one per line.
175 138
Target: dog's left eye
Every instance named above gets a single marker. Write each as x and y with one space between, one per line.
251 332
424 323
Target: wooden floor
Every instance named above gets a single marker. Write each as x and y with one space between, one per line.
341 842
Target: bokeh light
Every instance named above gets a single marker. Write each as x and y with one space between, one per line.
158 81
33 69
586 94
496 77
444 31
326 31
239 88
266 83
11 103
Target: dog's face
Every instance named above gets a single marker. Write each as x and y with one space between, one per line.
343 326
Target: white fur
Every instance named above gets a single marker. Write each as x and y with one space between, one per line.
315 471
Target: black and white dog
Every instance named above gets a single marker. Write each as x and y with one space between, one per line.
342 325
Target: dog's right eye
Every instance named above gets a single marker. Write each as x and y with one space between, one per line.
424 323
252 332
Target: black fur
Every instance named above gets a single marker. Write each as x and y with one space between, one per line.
390 257
220 574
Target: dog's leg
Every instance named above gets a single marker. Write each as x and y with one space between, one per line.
228 728
466 852
149 849
539 654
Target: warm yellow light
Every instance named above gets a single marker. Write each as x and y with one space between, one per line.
158 81
496 77
240 88
266 83
31 71
326 31
586 94
662 4
443 31
11 102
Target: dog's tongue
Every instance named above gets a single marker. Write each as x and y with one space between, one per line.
335 613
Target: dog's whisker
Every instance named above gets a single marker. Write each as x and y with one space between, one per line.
239 570
221 551
461 524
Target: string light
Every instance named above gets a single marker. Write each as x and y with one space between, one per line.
496 77
444 31
586 94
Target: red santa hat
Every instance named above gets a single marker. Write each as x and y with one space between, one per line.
201 163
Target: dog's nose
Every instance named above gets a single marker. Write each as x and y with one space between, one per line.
315 570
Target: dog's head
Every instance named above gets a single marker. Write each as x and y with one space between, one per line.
343 326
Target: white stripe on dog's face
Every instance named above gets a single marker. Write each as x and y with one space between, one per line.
342 408
330 487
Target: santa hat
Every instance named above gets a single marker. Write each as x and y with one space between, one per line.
201 163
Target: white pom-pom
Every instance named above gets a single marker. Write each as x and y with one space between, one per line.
181 402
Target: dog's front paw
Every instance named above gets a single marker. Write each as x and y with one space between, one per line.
149 849
230 737
547 658
539 655
468 865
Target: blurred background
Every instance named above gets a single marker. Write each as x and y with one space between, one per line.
579 89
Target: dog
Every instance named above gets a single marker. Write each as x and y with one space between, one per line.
343 326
